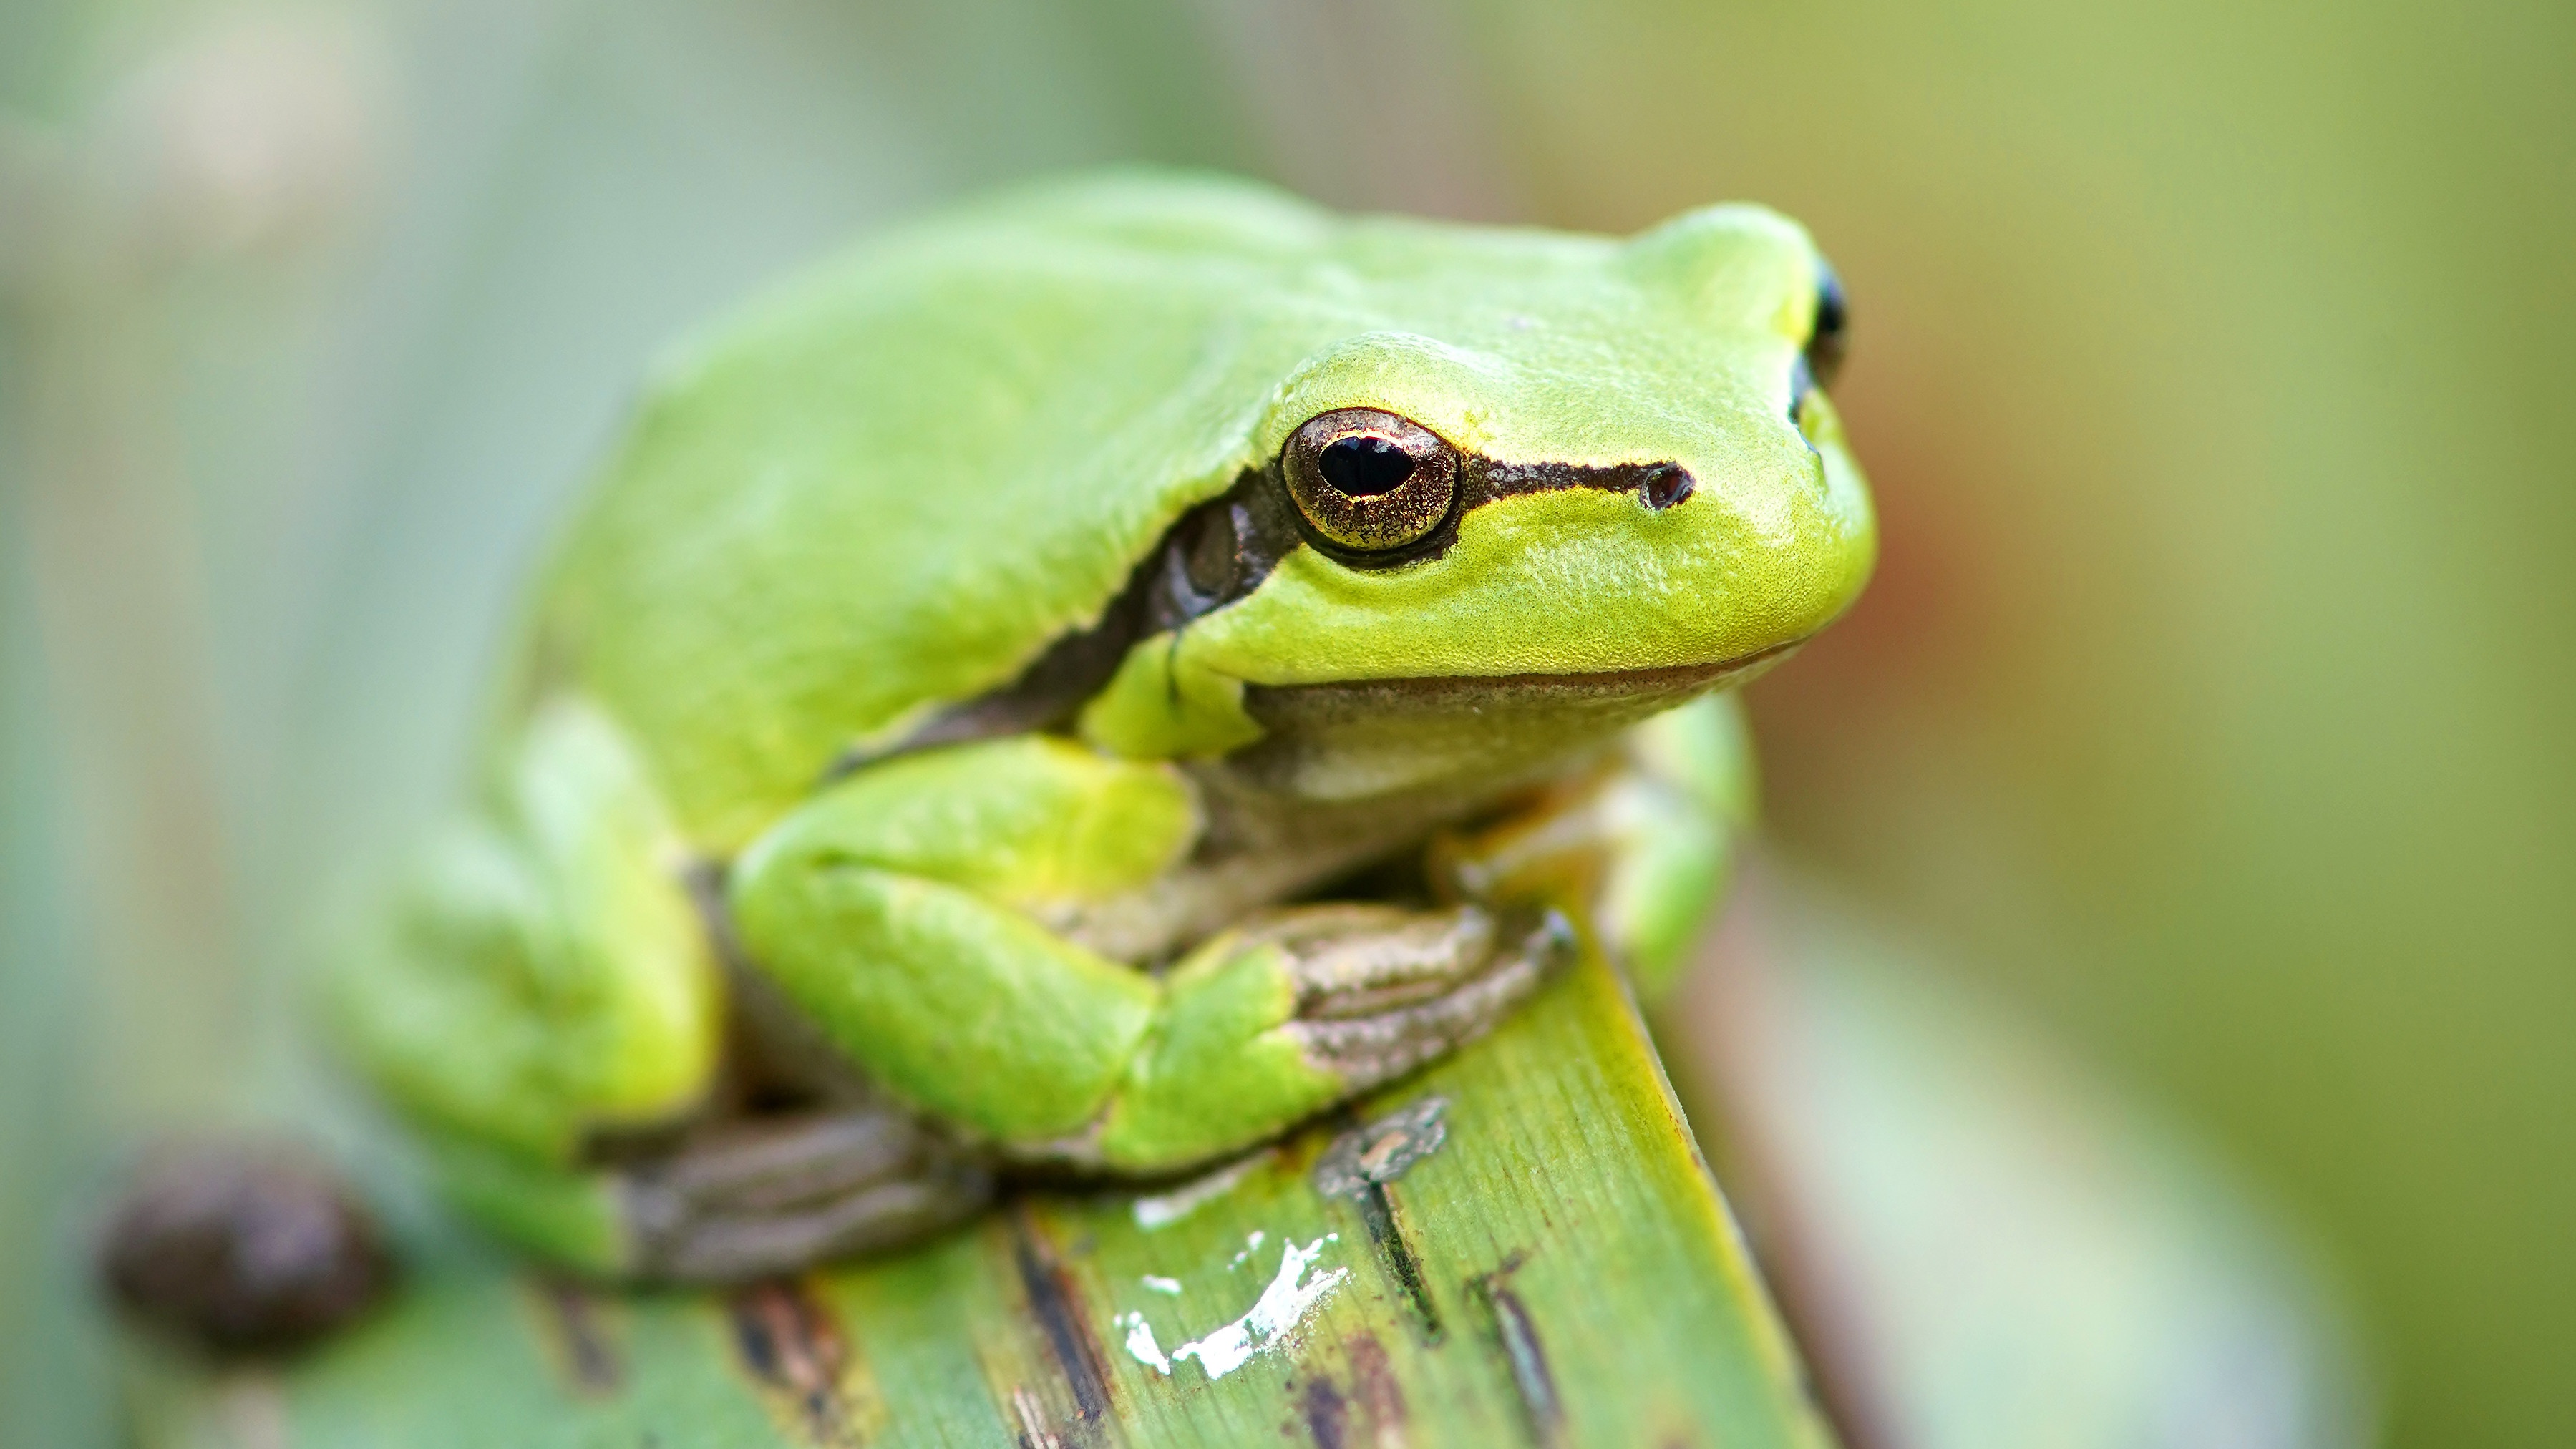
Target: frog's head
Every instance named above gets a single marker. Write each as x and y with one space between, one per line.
1573 484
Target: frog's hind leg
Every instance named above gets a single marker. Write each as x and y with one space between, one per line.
723 1200
806 1162
756 1196
541 979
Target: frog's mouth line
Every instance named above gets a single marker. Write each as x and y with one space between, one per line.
1470 692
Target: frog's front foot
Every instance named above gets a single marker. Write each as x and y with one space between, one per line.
758 1196
1309 1006
1382 990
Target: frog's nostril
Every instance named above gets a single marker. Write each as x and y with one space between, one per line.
1664 485
1365 467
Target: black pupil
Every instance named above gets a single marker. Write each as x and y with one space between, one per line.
1365 467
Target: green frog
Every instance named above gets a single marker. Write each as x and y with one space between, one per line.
1092 679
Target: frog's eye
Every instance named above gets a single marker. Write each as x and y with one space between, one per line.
1826 336
1368 480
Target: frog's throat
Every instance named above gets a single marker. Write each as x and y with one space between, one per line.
1356 739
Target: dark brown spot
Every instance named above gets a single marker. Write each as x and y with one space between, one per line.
792 1347
241 1248
1058 1311
1327 1415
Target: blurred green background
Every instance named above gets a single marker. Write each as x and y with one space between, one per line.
2214 364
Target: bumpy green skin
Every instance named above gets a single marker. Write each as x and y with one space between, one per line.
894 909
591 1003
894 483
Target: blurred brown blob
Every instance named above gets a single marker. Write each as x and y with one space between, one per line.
241 1249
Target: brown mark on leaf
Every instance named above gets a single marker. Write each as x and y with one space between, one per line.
582 1350
1360 1164
1517 1336
241 1248
1379 1152
1327 1414
1373 1385
1057 1309
797 1356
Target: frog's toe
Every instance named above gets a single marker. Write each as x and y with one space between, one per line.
759 1197
1375 1005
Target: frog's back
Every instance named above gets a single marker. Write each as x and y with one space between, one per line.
891 485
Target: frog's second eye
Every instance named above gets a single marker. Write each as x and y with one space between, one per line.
1369 481
1827 337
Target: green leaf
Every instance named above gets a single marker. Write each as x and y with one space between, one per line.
1519 1246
